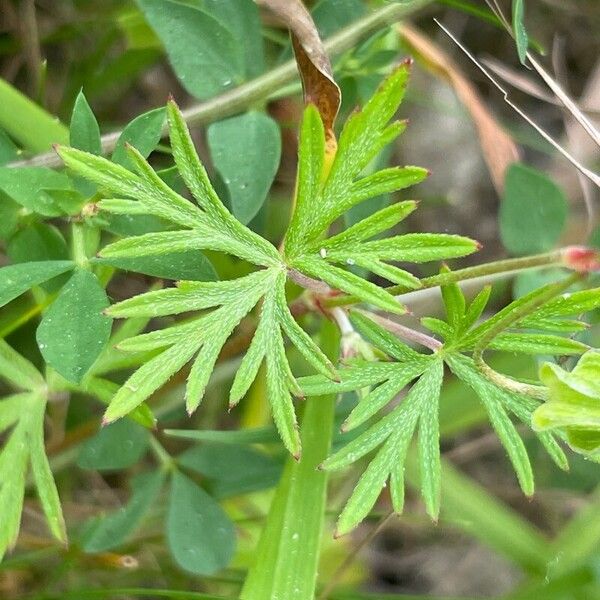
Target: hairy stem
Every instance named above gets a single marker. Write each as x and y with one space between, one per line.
510 319
403 332
506 266
236 100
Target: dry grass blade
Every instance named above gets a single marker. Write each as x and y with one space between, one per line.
518 80
560 69
593 177
562 96
498 148
312 60
566 100
527 85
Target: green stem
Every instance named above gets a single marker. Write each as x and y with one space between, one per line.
505 266
522 311
78 248
287 557
164 458
507 321
240 98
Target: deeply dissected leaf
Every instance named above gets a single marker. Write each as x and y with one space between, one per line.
249 171
393 433
325 193
311 155
476 308
196 179
567 304
373 225
380 396
25 445
429 455
43 478
348 282
152 193
531 343
383 338
479 331
454 304
489 395
358 374
74 329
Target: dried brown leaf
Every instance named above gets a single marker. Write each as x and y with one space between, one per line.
593 177
499 150
313 63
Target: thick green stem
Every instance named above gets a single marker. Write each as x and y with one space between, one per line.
27 123
506 266
262 87
288 552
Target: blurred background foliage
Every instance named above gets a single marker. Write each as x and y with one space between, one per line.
128 521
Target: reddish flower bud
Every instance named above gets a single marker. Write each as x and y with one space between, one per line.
581 258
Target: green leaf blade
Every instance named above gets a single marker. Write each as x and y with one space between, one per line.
84 130
74 330
17 279
249 171
200 535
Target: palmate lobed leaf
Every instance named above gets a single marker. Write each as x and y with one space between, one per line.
24 413
393 434
466 370
324 193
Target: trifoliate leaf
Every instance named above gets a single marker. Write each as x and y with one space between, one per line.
533 211
116 446
216 62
